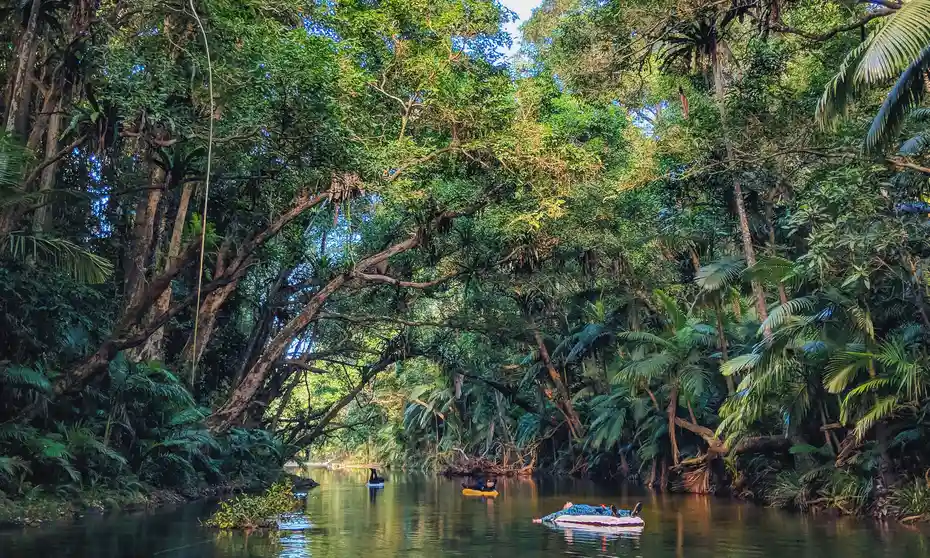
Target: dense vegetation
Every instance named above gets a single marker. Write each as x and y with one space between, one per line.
683 241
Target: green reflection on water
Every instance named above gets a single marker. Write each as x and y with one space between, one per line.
423 516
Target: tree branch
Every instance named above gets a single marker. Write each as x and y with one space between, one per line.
62 153
835 31
904 164
411 284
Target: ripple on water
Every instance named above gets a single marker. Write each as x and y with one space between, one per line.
294 522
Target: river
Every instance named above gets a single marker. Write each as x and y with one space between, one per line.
425 516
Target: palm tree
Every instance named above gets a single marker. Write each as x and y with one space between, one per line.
896 385
675 361
814 340
899 50
693 40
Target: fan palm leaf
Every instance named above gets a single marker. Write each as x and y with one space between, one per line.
720 274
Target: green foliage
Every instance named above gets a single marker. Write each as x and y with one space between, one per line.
899 49
638 250
256 511
912 500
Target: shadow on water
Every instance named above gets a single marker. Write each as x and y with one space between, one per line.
426 516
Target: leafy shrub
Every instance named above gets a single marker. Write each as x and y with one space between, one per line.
119 440
912 499
256 511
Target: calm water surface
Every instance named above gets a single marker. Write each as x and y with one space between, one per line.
422 516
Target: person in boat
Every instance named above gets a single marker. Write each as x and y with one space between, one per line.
585 509
481 485
373 477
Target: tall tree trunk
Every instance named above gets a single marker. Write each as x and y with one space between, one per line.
18 104
51 106
773 247
41 220
748 250
826 432
153 349
143 231
722 342
209 312
672 411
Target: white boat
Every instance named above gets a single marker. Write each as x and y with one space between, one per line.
600 521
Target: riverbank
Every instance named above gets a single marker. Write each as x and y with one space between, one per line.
40 507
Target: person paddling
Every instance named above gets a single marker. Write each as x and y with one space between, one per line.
481 485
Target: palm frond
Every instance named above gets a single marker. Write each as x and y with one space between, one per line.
25 377
906 94
842 89
771 268
651 367
870 386
81 264
740 364
642 337
12 161
674 314
720 274
883 408
897 44
783 312
842 370
9 466
916 145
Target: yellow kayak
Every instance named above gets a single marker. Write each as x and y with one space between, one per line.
470 492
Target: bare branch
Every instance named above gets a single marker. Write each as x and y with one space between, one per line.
410 284
835 31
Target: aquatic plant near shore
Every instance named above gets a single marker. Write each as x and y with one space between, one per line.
911 502
256 511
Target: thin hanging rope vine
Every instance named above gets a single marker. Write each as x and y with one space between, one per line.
206 194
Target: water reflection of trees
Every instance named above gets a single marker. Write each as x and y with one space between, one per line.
423 516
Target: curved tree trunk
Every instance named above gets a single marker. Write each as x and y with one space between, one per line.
239 400
564 402
231 412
